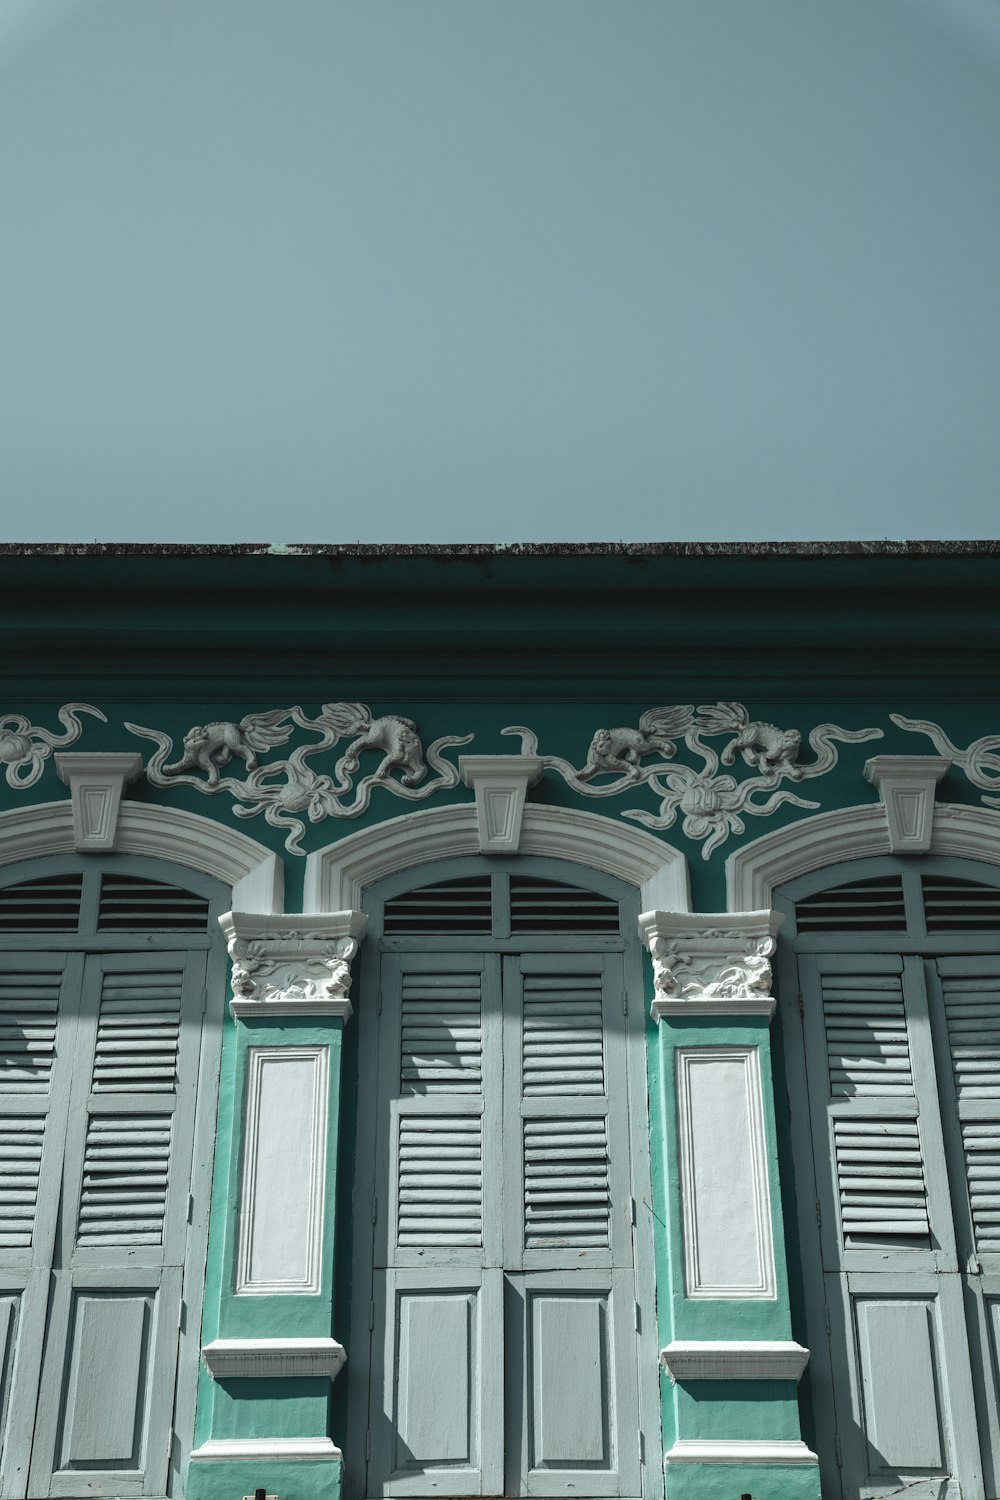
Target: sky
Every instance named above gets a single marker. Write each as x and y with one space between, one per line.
499 270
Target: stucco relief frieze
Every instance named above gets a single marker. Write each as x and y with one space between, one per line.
979 762
711 805
288 792
25 747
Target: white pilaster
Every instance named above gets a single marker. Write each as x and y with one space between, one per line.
292 965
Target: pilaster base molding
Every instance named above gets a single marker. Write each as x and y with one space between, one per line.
229 1359
741 1359
501 784
96 781
739 1451
292 965
907 785
711 963
218 1450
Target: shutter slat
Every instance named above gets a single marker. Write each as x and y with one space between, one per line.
439 1197
562 1042
972 1012
441 1039
129 903
880 1180
981 1144
51 904
29 1014
137 1156
566 1188
873 905
22 1139
867 1044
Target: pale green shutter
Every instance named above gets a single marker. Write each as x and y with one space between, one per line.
108 1377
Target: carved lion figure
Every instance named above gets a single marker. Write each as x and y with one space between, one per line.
395 736
210 747
763 746
619 751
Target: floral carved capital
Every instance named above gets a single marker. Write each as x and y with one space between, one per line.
716 963
292 965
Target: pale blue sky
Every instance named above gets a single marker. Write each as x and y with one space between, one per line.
473 270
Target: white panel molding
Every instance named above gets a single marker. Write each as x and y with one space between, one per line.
740 1359
337 876
710 963
907 785
218 1450
740 1451
254 872
295 1154
228 1359
290 965
725 1190
96 781
501 784
754 872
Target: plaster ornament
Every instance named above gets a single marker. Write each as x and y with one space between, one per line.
289 792
292 969
980 762
25 747
712 964
712 806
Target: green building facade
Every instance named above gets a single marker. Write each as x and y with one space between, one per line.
511 1021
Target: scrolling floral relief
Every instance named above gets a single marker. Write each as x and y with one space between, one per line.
25 747
712 805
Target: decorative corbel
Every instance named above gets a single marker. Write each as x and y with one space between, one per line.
710 964
501 784
281 966
907 785
96 780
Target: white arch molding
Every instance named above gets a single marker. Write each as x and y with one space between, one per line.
336 877
254 872
754 872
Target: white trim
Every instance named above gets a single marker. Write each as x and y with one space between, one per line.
264 1010
719 1197
739 1451
736 1359
676 1010
254 872
306 1159
755 871
336 877
241 1358
258 1449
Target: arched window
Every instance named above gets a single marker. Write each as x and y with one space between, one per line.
502 1139
890 986
105 966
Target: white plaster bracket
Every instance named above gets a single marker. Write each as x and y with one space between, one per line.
711 963
292 965
907 785
739 1451
743 1359
96 780
238 1359
501 784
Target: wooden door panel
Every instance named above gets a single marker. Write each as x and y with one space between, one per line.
436 1422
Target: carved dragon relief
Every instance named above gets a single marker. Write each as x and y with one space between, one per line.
287 791
712 805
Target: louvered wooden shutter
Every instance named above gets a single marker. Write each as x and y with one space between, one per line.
970 995
865 1108
107 1381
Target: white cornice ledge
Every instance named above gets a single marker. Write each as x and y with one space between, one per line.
711 963
907 785
229 1359
292 965
219 1450
746 1359
739 1451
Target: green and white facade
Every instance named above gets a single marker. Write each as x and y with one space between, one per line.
517 1022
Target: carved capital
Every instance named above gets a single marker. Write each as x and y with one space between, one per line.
713 963
907 785
292 965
